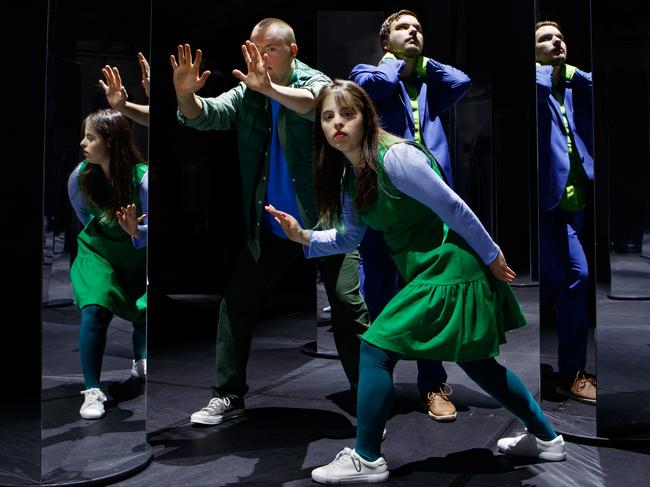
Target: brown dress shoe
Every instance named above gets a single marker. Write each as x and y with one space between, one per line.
439 406
583 388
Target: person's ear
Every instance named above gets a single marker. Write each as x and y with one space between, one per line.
294 49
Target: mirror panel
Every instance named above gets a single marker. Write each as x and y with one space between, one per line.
82 39
622 93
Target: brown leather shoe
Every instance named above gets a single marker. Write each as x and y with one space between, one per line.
439 406
583 388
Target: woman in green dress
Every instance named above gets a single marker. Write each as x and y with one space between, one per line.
456 305
108 190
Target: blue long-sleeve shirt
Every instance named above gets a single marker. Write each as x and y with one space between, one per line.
80 205
409 169
438 89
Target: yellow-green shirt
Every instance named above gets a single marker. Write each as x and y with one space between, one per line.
575 193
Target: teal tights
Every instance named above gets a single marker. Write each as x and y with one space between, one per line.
92 341
376 390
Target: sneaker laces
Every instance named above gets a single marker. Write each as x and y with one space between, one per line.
344 455
215 404
582 379
94 394
444 392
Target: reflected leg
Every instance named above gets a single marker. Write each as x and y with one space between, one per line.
92 342
564 265
139 339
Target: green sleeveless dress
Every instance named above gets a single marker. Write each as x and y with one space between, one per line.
108 271
451 307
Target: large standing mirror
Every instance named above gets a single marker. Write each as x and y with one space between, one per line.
566 209
93 332
621 41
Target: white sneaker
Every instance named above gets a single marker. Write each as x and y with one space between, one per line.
349 468
219 409
139 368
93 406
528 445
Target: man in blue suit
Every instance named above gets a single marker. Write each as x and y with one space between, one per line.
566 171
410 92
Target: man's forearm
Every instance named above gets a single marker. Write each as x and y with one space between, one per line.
189 105
299 100
137 113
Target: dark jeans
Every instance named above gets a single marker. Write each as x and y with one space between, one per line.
244 296
564 274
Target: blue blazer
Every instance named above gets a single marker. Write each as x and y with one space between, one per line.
552 149
441 87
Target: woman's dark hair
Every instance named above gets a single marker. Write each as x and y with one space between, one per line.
330 162
109 195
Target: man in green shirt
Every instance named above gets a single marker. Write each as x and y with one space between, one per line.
272 110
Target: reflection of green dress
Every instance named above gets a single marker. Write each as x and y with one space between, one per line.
108 270
451 308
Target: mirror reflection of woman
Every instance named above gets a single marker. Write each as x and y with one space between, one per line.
456 305
108 191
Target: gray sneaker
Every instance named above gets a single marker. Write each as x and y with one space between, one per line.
139 368
349 468
219 409
93 406
528 445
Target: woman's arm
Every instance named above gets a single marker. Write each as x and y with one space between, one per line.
76 197
409 170
324 242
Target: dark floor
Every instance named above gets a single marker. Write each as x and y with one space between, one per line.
298 414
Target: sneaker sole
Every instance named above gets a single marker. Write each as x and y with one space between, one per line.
546 456
212 420
93 417
583 400
442 419
357 479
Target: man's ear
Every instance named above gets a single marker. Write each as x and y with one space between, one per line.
294 49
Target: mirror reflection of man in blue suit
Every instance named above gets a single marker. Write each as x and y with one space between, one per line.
566 171
410 92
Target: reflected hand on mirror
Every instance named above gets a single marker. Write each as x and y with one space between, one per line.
186 72
113 88
290 226
129 221
144 67
500 269
257 78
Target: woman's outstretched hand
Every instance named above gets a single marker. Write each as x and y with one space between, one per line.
500 269
129 221
290 226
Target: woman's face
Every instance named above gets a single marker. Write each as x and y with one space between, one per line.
94 147
343 127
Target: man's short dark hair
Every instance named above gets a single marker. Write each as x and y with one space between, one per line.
544 23
384 31
285 29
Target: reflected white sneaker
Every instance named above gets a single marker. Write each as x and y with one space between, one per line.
139 368
219 409
93 406
349 468
528 445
